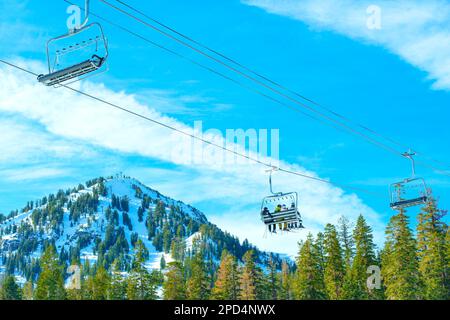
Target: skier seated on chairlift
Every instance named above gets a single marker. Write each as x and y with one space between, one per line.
281 226
266 212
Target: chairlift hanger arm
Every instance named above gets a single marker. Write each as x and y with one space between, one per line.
86 13
270 180
86 17
410 155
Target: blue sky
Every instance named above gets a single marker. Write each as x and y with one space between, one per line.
395 80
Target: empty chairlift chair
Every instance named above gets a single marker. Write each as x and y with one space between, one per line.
280 211
81 53
410 192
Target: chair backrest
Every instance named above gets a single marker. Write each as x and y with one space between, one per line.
271 202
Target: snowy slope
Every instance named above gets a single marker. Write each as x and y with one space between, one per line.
93 225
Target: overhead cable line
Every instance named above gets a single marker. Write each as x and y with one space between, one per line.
251 89
193 136
253 79
277 84
203 66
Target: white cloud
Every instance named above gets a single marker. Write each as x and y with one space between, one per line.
32 173
171 102
22 143
236 190
417 31
17 35
21 37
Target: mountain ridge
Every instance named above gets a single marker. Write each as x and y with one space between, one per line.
103 219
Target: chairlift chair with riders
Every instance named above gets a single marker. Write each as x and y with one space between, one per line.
411 191
81 53
281 209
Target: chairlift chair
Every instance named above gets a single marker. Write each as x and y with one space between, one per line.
81 53
408 193
288 218
411 191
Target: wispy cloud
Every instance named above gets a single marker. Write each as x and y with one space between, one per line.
417 31
13 8
16 35
21 37
314 162
32 173
24 144
175 103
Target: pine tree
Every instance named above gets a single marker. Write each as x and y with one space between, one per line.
198 286
178 248
356 287
117 289
226 286
50 284
273 280
400 269
249 277
319 250
309 284
27 291
140 214
9 289
101 283
174 287
447 273
347 244
166 238
334 268
162 263
285 292
431 232
141 284
158 241
346 240
87 289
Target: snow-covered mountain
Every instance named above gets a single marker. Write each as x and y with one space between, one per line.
102 220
